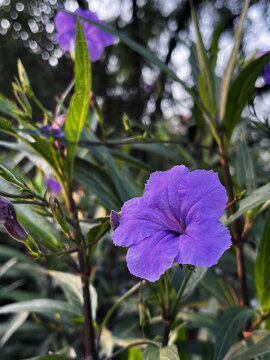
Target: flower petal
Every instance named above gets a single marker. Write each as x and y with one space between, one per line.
152 257
161 191
139 221
201 192
203 243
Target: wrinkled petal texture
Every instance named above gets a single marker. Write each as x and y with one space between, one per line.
96 38
151 258
177 218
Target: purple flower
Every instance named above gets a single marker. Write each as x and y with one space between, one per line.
50 130
96 38
9 220
53 185
266 72
175 219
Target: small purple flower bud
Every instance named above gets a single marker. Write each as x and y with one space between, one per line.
49 130
9 220
114 220
53 185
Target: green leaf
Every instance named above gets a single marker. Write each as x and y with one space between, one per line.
14 324
51 357
79 105
206 78
240 92
72 287
98 182
256 198
6 174
231 323
213 51
24 78
135 354
98 230
9 108
6 127
226 80
126 187
255 345
42 306
164 353
262 269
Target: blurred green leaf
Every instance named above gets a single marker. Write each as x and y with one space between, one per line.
213 51
207 77
135 354
226 80
41 306
262 269
98 182
126 186
6 174
72 287
255 345
240 92
79 105
98 230
230 325
9 108
256 198
14 324
164 353
51 357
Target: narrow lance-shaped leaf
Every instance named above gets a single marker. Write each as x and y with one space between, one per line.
262 269
206 79
79 105
230 326
255 345
241 91
226 80
256 198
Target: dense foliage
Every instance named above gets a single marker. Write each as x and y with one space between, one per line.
66 292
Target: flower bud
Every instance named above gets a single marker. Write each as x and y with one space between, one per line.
9 220
114 220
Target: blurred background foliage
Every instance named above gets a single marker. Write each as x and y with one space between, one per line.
132 92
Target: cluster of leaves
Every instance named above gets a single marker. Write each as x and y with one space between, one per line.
39 291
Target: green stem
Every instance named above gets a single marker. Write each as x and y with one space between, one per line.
168 319
117 303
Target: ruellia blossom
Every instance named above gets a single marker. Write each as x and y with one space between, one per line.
96 38
9 220
177 218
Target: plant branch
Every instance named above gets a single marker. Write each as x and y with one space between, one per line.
238 241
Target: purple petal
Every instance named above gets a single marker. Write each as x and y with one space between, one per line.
139 221
203 243
201 192
161 191
53 185
96 38
64 22
151 258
